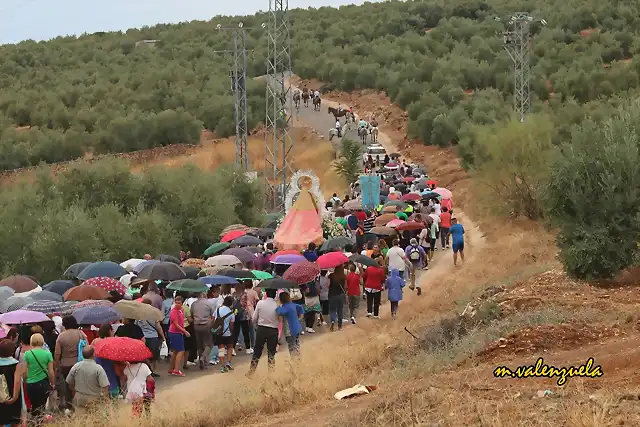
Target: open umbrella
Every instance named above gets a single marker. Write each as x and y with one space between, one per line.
191 272
364 260
83 293
20 284
14 303
96 315
142 265
242 254
187 285
264 232
6 292
138 311
127 278
232 235
45 296
253 249
74 269
383 231
168 258
302 272
411 197
107 283
216 248
102 269
446 194
71 307
278 283
162 271
353 204
122 349
130 264
410 226
409 179
59 286
247 241
395 222
233 227
19 317
216 280
336 243
193 262
237 274
222 261
287 259
285 252
332 260
46 307
398 203
384 219
261 275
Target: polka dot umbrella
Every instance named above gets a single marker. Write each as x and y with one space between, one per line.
302 272
122 349
107 283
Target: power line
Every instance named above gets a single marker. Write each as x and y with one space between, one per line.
279 145
517 43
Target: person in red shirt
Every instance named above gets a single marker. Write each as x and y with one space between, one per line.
374 277
354 281
445 225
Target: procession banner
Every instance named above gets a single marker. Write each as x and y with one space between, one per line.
370 187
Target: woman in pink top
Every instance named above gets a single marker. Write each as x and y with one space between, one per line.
177 332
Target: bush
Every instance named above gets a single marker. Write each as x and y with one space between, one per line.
104 212
349 165
592 196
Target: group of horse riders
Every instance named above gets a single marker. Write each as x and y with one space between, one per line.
305 95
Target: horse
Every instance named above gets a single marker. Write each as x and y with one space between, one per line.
296 100
337 114
362 133
305 96
316 103
374 134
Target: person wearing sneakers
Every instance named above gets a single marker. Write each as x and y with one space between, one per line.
177 332
267 321
457 240
417 256
374 277
354 293
223 325
202 313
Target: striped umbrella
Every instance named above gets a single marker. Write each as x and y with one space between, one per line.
46 307
88 303
14 303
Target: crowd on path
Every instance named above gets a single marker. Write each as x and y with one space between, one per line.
83 358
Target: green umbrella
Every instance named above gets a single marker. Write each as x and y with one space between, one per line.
261 275
188 285
216 248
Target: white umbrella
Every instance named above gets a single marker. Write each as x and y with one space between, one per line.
129 265
127 278
26 294
222 261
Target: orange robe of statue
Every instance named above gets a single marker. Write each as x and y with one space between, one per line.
302 224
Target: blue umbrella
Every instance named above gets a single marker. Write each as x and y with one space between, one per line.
218 280
75 269
96 315
102 269
46 296
59 286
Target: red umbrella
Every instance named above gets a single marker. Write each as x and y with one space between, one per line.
232 235
432 182
302 272
411 197
393 196
122 349
410 226
106 283
332 260
409 179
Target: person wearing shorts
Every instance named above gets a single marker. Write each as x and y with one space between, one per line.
417 256
224 337
457 240
177 332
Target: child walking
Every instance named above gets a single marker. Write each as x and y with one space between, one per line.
394 285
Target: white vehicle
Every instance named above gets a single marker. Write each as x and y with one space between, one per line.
375 151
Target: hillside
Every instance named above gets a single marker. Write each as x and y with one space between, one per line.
443 62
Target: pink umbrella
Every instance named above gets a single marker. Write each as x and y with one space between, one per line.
332 260
23 316
395 222
106 283
232 235
409 179
446 194
393 196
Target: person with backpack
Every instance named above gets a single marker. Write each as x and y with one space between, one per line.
240 309
40 375
394 285
223 325
417 257
11 372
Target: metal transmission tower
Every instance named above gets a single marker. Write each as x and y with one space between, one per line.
517 39
238 74
278 140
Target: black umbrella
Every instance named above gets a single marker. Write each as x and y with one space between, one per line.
237 273
75 269
45 296
253 250
364 260
247 241
264 232
59 286
191 272
102 269
277 283
168 258
162 271
335 243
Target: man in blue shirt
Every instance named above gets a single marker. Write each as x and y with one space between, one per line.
457 240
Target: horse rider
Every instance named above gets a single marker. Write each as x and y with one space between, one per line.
339 128
339 108
316 94
362 124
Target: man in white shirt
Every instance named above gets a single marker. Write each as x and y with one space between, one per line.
266 319
339 128
397 258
